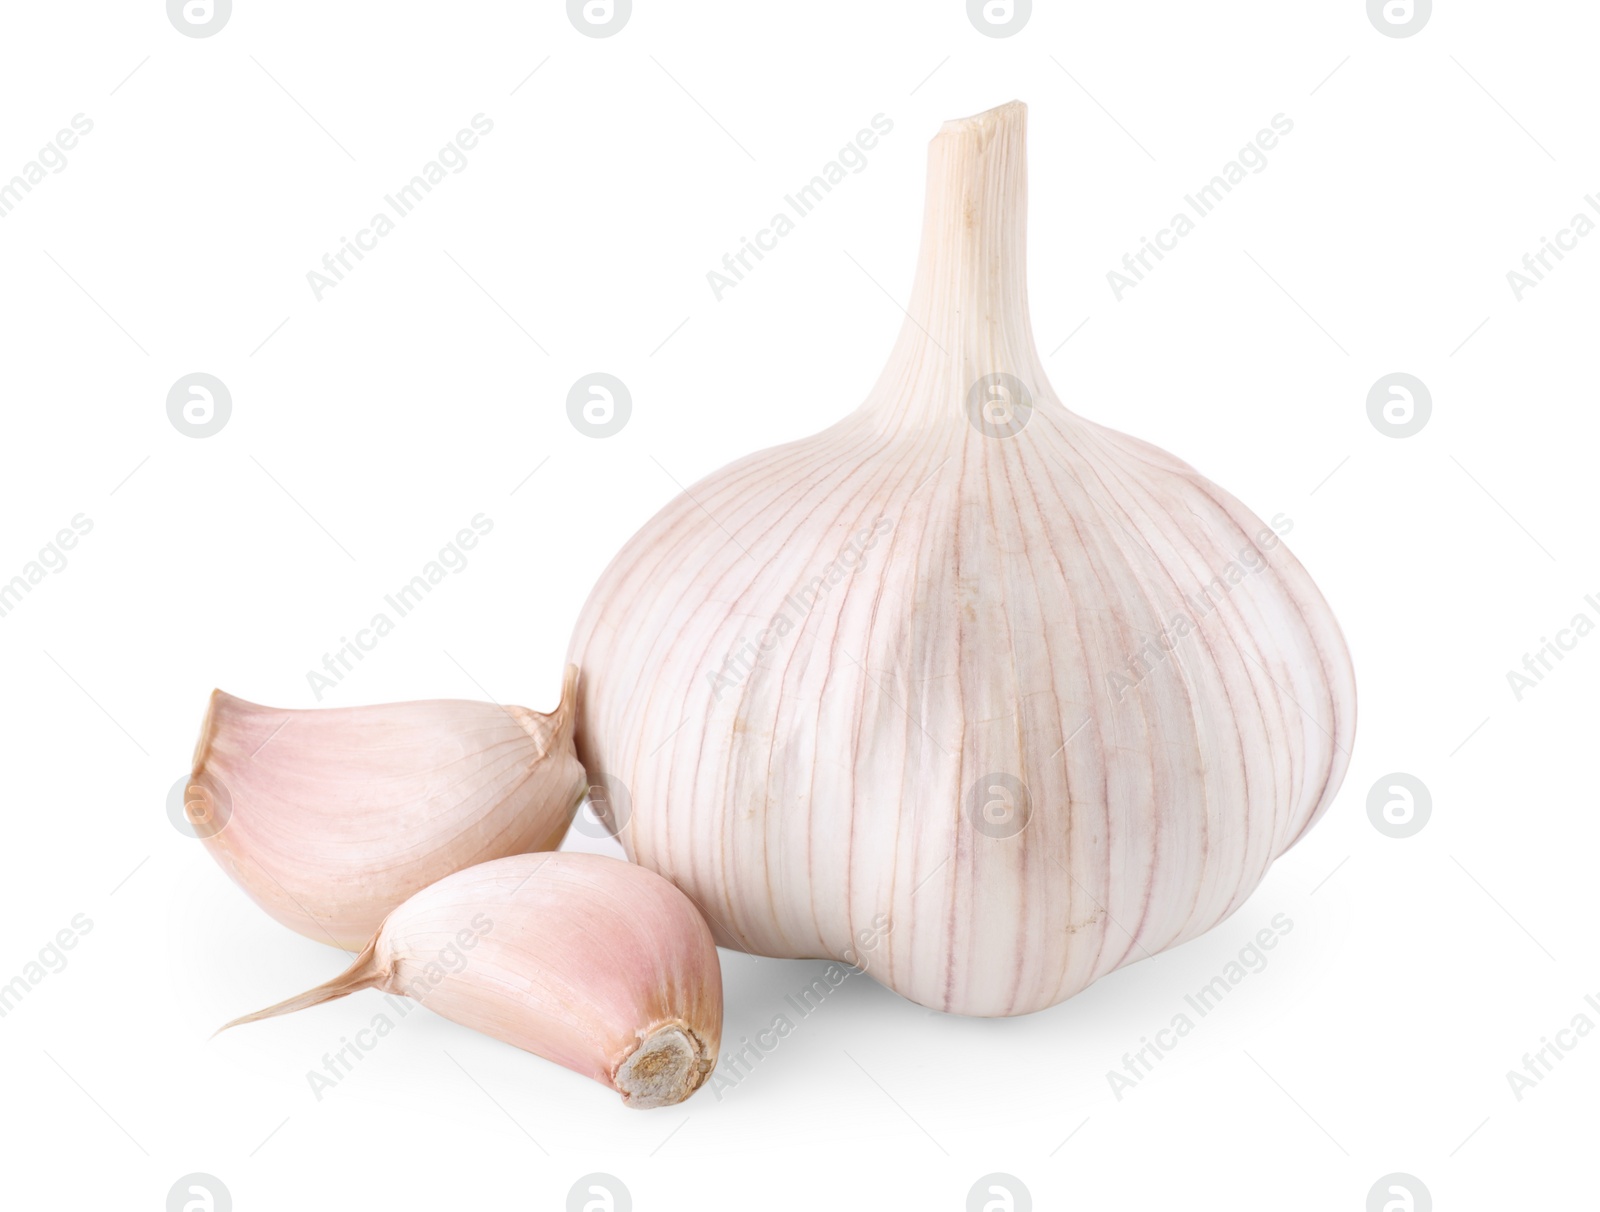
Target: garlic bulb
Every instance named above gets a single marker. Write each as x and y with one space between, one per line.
330 818
1036 691
591 962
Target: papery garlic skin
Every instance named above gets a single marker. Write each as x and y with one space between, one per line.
591 962
329 818
827 672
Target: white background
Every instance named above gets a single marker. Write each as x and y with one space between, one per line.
370 426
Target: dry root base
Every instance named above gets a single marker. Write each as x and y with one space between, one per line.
667 1067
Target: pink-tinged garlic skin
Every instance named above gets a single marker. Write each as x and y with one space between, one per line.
590 957
972 632
591 962
330 818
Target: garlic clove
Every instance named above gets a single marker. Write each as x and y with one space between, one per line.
1034 691
588 961
330 818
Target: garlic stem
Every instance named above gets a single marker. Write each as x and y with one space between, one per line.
969 302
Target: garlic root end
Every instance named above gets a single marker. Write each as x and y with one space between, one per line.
669 1065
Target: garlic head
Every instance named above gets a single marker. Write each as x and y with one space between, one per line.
1034 690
